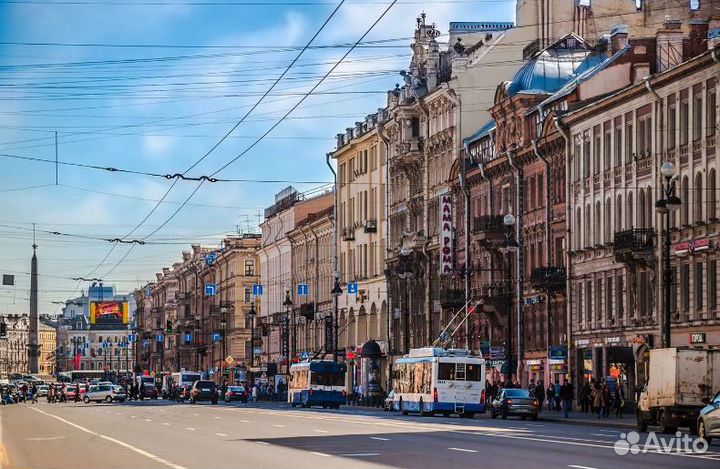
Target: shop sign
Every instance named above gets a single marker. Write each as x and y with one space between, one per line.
697 338
612 340
446 234
558 367
597 342
558 352
556 361
692 246
497 353
495 363
533 300
533 362
582 342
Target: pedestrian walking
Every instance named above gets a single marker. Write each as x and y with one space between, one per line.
531 387
597 400
585 396
77 393
619 401
606 399
33 394
550 393
557 394
567 394
540 394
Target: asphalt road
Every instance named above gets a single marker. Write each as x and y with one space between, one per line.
161 435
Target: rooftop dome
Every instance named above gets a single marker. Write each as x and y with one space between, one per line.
554 66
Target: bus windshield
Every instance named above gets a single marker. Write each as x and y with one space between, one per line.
446 371
327 379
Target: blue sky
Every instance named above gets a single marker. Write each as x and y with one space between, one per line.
159 109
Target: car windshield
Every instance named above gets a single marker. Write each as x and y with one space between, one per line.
517 393
205 384
236 389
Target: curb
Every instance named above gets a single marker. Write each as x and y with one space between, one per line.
603 422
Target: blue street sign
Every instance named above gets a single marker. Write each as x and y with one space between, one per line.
146 342
210 258
257 290
353 288
216 337
188 337
131 337
303 289
210 289
305 355
160 338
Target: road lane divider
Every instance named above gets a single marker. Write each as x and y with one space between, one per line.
123 444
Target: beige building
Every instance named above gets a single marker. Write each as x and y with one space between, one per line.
13 347
48 343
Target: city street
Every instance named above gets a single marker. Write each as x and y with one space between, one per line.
158 434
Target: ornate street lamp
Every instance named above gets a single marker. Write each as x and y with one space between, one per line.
288 304
509 247
668 203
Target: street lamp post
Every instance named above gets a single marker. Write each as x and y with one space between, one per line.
223 326
668 203
336 292
509 246
251 314
288 306
405 273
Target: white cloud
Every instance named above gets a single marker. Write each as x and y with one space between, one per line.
158 145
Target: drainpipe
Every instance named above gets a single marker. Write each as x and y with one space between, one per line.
388 241
548 243
336 271
568 265
520 327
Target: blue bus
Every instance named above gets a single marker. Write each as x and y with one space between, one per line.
317 383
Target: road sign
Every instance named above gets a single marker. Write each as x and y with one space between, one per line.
210 258
216 337
229 360
304 355
353 288
160 338
210 289
257 289
303 289
131 337
146 343
188 337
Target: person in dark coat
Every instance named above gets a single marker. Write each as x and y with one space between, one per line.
540 394
550 394
77 393
567 395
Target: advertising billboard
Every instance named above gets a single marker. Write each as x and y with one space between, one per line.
109 312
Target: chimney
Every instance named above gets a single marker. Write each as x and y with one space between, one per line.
348 134
698 37
358 128
166 271
618 38
340 141
195 249
158 276
669 45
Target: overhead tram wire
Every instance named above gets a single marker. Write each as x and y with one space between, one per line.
257 103
281 120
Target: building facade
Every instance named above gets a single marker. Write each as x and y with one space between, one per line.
48 344
14 346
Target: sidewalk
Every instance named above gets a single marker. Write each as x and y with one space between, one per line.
588 418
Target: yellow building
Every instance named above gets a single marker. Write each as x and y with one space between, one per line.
48 336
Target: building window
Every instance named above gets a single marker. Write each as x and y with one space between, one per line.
712 284
699 284
540 190
698 205
685 287
596 150
586 155
672 122
576 165
711 110
618 141
598 299
608 301
685 206
697 117
249 268
588 301
684 121
629 147
606 148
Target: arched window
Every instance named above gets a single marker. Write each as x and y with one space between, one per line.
618 214
698 205
649 207
684 206
607 226
586 234
629 222
597 232
641 209
712 197
578 230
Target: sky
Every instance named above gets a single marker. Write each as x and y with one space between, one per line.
153 85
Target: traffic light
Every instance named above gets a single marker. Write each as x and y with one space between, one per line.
3 329
168 326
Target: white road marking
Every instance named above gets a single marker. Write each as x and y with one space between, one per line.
600 434
196 415
119 413
148 420
132 416
47 438
221 434
463 450
262 442
165 423
279 426
190 428
359 455
245 421
609 431
321 431
113 440
218 418
379 438
580 467
319 454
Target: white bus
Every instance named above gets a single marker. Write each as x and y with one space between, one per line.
438 381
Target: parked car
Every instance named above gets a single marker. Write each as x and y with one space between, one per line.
105 392
70 392
203 391
514 402
709 421
42 391
236 393
150 391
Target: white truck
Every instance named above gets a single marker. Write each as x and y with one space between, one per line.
678 381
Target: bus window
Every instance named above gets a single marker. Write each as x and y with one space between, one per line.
446 371
327 379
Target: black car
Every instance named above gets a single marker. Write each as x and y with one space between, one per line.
236 393
514 402
203 391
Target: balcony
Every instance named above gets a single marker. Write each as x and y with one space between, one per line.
370 226
348 234
489 229
452 292
494 299
634 246
409 152
548 278
307 310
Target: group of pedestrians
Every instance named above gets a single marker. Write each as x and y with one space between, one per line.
24 393
600 398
